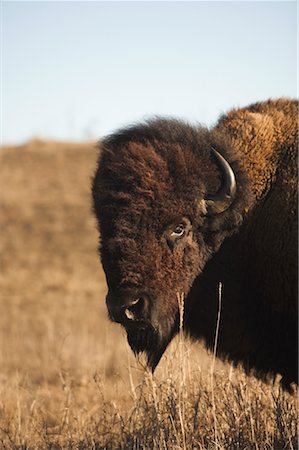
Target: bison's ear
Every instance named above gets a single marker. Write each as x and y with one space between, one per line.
219 202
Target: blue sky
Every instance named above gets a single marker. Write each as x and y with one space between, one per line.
79 70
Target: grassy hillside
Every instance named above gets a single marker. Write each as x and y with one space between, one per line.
67 377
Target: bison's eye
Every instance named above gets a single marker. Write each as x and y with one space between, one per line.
178 232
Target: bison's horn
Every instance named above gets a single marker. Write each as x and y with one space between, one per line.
222 200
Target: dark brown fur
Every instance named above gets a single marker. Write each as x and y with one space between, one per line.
152 175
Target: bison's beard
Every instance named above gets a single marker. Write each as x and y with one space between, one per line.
150 341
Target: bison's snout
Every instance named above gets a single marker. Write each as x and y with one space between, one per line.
128 306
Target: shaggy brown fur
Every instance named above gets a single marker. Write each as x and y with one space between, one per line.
152 181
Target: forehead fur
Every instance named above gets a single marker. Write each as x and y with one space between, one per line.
172 131
153 159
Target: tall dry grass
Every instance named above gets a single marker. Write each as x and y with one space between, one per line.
67 377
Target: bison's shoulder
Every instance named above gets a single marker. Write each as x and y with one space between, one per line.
265 135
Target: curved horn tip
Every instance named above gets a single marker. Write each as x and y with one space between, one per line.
222 200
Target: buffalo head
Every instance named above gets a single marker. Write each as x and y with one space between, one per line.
161 194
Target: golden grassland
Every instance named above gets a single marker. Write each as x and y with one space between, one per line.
67 377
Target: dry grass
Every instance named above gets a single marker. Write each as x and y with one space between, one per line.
67 378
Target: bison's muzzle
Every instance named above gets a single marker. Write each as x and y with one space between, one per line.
129 306
134 309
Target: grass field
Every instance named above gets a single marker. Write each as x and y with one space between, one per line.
67 377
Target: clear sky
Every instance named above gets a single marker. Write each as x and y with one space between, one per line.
78 70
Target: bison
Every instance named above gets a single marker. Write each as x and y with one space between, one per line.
181 208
